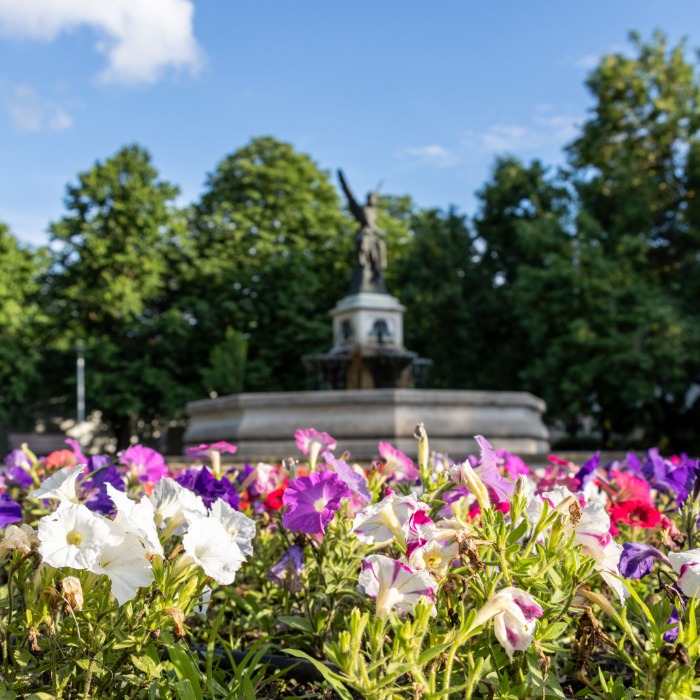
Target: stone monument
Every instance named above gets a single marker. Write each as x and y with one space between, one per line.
365 378
368 350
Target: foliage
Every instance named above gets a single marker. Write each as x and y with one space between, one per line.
267 251
20 321
502 581
105 287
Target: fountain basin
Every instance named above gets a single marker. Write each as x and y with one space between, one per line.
262 425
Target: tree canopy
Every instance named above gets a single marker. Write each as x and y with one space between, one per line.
579 284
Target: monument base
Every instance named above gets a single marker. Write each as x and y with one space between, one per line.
263 425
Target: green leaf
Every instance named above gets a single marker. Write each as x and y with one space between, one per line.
185 691
297 623
553 631
327 674
186 670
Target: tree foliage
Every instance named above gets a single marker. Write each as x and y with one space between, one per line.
106 284
269 253
20 322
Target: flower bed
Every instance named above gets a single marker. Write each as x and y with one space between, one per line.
435 579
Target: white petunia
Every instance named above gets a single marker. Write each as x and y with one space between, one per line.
137 518
435 557
387 520
126 565
395 585
60 486
175 505
211 547
687 565
74 536
514 613
240 527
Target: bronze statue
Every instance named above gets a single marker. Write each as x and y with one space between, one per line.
370 248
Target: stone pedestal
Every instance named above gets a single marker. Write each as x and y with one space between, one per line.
263 425
368 350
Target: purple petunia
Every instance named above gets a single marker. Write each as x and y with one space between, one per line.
637 559
204 484
17 466
93 489
287 571
10 510
312 501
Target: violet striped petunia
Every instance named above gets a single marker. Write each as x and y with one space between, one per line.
395 586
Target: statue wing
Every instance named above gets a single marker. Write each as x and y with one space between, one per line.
356 210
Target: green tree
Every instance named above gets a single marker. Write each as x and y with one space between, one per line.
636 168
226 369
269 254
438 282
107 287
521 223
20 320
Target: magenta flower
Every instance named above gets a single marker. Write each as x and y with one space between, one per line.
311 442
214 452
145 463
205 450
356 481
399 465
487 470
312 501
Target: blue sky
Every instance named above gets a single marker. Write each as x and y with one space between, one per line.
422 95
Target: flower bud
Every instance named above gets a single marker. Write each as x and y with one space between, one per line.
423 450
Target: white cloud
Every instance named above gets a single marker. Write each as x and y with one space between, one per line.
546 131
141 38
31 112
588 61
433 154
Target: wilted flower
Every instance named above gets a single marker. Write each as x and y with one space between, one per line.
20 537
72 593
514 613
287 571
312 442
312 501
144 463
395 585
687 566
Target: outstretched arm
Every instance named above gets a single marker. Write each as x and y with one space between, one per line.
355 208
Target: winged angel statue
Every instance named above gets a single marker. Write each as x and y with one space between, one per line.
370 248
